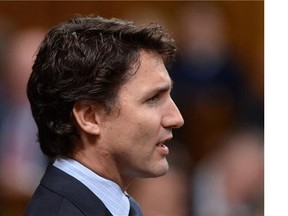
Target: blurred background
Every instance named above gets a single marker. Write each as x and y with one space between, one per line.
216 159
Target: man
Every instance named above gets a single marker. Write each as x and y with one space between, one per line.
100 96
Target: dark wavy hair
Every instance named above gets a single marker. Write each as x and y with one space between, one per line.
85 59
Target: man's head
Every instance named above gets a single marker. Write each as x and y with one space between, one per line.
86 60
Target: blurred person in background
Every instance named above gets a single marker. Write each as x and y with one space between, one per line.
21 162
231 180
212 92
210 84
5 34
100 95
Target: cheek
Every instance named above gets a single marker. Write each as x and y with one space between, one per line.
137 131
141 124
148 129
139 139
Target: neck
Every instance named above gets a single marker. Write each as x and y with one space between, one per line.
103 164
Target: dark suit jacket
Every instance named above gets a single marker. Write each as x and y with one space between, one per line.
60 194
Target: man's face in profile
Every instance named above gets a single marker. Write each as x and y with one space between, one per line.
135 135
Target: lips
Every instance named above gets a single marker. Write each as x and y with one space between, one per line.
160 144
162 148
165 140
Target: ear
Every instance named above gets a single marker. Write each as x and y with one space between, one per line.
87 118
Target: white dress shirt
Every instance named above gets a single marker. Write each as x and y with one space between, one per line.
106 190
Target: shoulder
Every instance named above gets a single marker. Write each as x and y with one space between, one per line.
59 194
48 203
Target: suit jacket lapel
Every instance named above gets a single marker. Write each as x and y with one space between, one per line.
73 190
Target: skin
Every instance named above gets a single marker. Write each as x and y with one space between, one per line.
129 142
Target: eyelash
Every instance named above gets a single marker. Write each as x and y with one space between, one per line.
154 99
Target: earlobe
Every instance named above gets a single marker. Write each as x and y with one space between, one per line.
86 118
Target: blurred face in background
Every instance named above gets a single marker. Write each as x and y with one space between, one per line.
21 55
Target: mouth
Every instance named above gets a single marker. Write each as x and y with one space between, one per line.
162 148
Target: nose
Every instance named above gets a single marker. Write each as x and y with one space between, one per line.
172 117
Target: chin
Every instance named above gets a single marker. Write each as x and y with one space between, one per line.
158 170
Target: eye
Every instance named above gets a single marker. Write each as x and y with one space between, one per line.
153 99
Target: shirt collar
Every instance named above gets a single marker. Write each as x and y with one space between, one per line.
106 190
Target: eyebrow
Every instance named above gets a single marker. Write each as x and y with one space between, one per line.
163 88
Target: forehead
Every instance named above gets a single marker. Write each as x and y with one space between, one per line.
150 72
